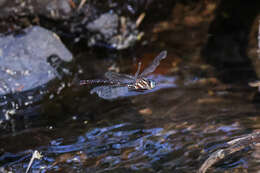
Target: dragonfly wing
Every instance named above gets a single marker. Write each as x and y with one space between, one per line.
154 64
138 70
124 78
110 92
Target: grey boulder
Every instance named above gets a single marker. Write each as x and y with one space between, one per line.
24 59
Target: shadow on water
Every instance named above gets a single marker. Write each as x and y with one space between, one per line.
228 41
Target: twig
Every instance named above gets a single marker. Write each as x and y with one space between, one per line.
72 4
139 19
231 147
36 155
82 2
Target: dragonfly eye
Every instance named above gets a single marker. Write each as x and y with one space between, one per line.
152 84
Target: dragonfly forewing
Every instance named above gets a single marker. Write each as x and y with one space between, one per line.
138 70
124 78
154 64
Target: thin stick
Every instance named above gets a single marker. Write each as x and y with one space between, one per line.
139 19
231 147
82 2
72 4
36 155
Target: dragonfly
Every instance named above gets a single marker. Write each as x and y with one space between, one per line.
117 84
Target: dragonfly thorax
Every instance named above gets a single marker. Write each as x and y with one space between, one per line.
142 84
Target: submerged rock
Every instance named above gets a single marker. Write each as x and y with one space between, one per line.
27 62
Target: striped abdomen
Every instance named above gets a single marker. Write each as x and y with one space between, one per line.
99 82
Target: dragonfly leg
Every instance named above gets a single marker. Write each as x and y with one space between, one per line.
138 70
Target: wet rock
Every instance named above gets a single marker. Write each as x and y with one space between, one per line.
23 59
27 62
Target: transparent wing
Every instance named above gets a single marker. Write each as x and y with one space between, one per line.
154 64
110 92
124 78
138 70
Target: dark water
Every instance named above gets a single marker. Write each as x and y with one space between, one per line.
173 129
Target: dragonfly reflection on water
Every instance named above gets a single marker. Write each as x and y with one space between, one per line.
117 84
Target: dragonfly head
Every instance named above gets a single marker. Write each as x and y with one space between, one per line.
152 84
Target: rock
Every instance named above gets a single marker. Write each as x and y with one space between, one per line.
113 31
28 61
106 25
55 9
23 59
2 2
